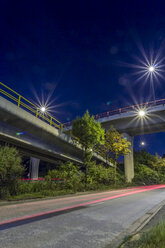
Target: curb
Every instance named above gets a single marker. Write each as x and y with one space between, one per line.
136 226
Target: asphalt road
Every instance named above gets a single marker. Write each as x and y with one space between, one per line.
94 224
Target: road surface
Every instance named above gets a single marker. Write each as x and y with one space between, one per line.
90 220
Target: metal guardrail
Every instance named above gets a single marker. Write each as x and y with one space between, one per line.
22 102
130 108
125 109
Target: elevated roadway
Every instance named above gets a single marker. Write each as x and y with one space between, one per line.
37 138
128 122
43 136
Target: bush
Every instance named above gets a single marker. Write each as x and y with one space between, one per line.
35 187
10 170
99 175
70 173
146 175
145 158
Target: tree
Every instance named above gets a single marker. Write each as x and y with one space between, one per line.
10 169
88 133
143 157
115 145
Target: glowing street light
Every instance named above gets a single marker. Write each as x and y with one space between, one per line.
143 143
142 113
151 68
43 109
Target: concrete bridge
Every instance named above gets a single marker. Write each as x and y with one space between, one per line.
129 122
37 138
42 135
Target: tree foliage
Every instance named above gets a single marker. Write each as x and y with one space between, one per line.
10 169
143 157
89 133
114 146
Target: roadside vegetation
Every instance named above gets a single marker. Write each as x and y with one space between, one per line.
74 178
149 169
153 238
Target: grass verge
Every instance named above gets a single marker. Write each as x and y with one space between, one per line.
154 238
36 195
47 193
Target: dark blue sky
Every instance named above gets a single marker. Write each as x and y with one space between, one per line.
80 49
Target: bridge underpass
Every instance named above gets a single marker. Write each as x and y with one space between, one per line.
39 139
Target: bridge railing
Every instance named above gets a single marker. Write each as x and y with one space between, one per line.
125 109
30 107
130 108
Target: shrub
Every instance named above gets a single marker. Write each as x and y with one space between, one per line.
100 175
10 170
71 175
145 158
35 187
146 175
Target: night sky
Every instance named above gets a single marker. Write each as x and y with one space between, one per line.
79 53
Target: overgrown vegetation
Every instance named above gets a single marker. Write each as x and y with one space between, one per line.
149 169
10 170
73 178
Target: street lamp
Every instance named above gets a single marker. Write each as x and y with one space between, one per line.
43 109
142 113
143 143
151 68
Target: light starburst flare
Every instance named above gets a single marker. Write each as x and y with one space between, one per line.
149 68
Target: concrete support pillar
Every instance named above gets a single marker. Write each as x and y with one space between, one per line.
34 167
128 160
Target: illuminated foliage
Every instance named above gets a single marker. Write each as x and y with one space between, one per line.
88 133
114 146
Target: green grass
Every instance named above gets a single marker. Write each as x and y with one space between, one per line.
36 195
154 238
45 193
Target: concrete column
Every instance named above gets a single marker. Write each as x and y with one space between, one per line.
128 160
34 167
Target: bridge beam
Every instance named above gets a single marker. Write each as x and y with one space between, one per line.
128 160
34 167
